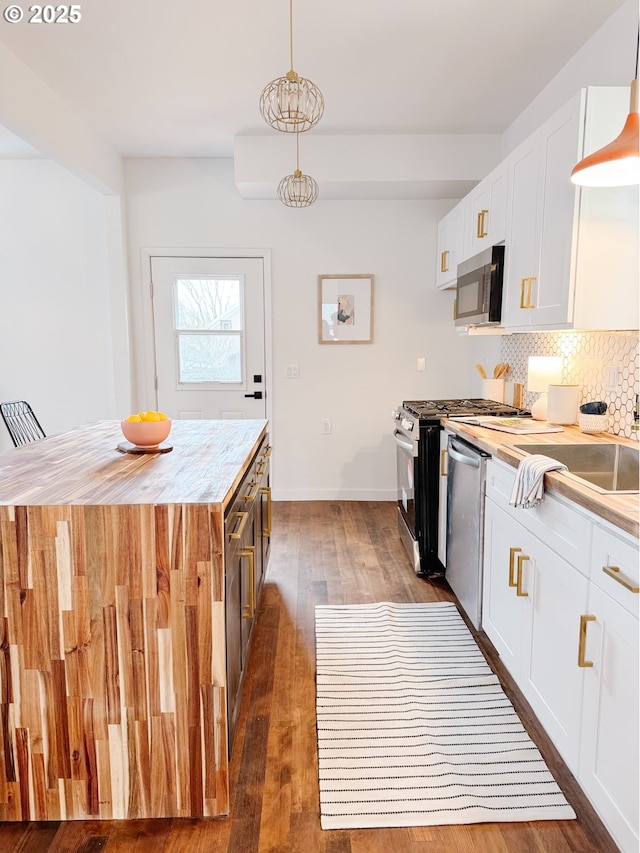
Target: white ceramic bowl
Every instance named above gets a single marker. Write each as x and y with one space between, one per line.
146 433
592 424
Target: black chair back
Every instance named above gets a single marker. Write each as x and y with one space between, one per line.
21 422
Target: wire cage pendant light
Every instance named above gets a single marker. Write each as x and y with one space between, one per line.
618 163
298 190
291 104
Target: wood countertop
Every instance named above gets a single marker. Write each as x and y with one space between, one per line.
621 510
83 466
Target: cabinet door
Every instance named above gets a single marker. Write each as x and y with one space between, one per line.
506 616
486 211
233 629
442 498
551 679
248 587
523 240
265 523
552 295
450 243
609 743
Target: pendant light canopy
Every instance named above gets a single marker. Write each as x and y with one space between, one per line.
618 163
291 104
297 190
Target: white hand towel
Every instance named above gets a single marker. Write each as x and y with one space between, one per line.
528 489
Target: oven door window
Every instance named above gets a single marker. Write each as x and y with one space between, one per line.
406 487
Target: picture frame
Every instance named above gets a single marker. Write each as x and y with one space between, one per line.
345 309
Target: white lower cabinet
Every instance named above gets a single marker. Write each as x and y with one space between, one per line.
504 612
533 603
560 606
609 736
551 681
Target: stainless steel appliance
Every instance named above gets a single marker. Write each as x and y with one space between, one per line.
466 475
417 428
479 289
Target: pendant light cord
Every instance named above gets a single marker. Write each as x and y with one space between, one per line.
291 32
297 152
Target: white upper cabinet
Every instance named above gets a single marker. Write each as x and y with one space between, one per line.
486 212
571 253
450 246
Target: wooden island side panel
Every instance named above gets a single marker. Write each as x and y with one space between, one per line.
112 627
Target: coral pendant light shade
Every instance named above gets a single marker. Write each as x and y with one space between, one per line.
618 163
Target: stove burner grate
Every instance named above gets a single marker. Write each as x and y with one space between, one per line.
466 406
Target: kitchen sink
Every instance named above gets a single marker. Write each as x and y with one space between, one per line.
608 468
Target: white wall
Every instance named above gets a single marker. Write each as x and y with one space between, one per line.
607 59
55 301
31 109
194 203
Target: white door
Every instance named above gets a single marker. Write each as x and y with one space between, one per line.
209 335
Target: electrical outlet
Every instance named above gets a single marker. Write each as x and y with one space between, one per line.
292 371
610 377
326 427
421 364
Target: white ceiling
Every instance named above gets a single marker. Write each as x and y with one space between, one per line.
182 78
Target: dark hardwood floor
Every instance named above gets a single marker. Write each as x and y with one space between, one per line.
322 552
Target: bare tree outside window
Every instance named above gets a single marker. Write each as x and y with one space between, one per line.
209 320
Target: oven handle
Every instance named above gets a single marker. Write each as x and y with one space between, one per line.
402 442
472 461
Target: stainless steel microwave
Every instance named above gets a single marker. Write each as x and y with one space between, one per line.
479 289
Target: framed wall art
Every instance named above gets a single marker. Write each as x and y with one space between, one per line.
345 309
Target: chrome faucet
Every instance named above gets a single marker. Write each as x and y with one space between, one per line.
635 426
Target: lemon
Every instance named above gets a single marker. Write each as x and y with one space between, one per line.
151 416
133 419
162 416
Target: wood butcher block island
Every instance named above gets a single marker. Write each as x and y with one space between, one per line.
113 643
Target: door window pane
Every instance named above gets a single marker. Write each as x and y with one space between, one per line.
209 358
208 304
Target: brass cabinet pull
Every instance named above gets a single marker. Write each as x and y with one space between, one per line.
512 562
519 591
584 620
236 533
480 231
531 279
249 609
615 573
267 451
266 490
528 284
443 467
260 469
249 496
444 261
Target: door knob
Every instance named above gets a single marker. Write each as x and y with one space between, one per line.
256 394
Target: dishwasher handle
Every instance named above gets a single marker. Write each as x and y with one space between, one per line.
465 454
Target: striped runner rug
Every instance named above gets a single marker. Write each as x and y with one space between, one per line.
414 729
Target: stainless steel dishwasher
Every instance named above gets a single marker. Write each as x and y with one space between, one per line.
465 524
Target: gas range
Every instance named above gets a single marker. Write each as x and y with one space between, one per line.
418 429
435 409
